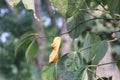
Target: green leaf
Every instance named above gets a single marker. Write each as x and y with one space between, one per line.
60 5
89 41
13 3
92 3
117 34
67 8
73 10
24 40
100 50
85 75
113 6
75 26
48 72
70 66
29 4
118 64
32 50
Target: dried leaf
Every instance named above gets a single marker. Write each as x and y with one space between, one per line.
54 54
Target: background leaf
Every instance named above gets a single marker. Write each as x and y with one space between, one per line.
74 7
60 5
48 72
117 34
32 50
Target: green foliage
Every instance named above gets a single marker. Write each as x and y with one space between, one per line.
69 8
117 34
28 40
29 4
94 48
76 65
60 5
88 45
74 27
70 66
48 72
31 50
25 40
118 64
113 6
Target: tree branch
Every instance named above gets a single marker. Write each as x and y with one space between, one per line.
86 22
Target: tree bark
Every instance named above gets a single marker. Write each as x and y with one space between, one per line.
38 27
109 69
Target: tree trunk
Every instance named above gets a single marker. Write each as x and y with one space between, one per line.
38 27
66 47
109 69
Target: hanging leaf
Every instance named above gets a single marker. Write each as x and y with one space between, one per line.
30 5
70 66
32 50
113 6
48 72
100 50
89 41
13 3
24 40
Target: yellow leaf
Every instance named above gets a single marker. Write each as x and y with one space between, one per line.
54 54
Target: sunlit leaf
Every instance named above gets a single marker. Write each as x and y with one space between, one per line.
13 2
30 5
85 75
48 72
32 50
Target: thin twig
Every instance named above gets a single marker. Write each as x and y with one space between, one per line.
85 22
94 74
107 63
